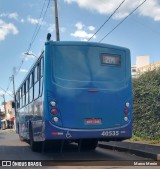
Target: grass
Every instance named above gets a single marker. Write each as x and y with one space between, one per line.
144 139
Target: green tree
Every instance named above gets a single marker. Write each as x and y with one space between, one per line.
146 105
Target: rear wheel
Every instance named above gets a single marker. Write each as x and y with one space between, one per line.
88 144
35 146
20 137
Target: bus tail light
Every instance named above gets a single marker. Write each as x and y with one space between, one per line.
55 119
126 111
54 111
127 104
125 118
53 103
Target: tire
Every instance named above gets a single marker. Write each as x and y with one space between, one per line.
21 138
88 144
35 146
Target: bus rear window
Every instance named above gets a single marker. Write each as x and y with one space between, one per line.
110 59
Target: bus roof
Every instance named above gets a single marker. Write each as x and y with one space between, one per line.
83 43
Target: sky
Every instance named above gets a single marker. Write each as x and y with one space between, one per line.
78 21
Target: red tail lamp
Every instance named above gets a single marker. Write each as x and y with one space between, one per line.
126 111
54 111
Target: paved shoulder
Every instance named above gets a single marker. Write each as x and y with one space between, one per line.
144 150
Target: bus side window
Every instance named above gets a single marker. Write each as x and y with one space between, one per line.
41 76
17 100
30 88
21 105
36 81
35 75
27 91
41 67
24 94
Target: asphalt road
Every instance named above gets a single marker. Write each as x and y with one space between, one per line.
11 148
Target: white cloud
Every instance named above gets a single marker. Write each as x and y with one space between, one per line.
22 20
10 15
79 25
51 28
85 40
68 1
149 8
33 21
13 16
83 31
23 70
7 28
81 34
91 28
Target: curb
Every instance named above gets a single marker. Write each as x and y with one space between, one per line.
130 150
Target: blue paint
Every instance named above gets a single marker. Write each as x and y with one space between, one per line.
83 88
75 68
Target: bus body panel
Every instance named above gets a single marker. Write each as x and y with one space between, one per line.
90 96
74 98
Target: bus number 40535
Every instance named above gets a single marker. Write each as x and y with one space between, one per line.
110 133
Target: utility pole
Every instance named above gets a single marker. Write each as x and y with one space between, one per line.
4 104
56 21
14 93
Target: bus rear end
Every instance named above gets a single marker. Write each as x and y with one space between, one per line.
87 91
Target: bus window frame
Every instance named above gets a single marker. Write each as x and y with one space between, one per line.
36 80
31 87
27 91
41 76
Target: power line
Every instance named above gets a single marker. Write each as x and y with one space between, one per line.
106 20
122 20
22 61
8 85
2 89
38 25
5 91
35 33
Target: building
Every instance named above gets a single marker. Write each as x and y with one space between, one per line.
142 61
149 67
143 65
8 114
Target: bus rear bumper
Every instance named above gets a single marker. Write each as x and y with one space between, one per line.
53 132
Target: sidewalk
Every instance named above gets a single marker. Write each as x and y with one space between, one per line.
144 150
7 131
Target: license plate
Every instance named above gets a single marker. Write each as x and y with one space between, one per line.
93 121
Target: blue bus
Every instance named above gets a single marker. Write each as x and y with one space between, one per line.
76 92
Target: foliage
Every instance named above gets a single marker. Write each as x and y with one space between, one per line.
146 105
